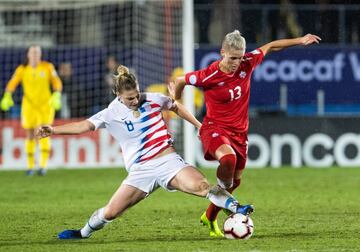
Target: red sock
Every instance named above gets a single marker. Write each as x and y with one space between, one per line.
226 169
212 211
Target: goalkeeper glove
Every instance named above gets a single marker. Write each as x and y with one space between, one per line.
6 102
55 100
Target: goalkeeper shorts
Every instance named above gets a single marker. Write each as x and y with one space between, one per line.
35 116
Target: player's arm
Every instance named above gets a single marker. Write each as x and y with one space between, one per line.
74 128
7 102
280 44
182 112
55 100
55 79
15 79
176 88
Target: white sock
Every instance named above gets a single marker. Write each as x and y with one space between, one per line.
96 222
222 198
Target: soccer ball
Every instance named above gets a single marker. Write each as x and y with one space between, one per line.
238 226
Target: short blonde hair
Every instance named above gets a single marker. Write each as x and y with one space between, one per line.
234 40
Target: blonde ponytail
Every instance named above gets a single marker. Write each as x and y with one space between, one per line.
122 70
124 80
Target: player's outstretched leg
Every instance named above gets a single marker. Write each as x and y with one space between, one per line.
125 197
96 222
213 226
213 211
209 217
245 209
70 234
190 180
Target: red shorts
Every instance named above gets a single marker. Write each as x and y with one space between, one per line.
213 137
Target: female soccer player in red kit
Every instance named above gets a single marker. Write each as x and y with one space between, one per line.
226 86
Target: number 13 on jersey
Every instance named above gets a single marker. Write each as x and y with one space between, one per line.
235 93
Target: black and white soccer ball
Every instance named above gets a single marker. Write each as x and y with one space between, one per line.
238 226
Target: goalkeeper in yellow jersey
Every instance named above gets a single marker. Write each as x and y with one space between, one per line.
39 103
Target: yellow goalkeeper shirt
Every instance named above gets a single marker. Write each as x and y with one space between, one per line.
36 83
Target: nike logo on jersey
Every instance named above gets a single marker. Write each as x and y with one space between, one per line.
221 84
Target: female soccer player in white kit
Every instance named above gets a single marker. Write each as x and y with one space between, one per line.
134 119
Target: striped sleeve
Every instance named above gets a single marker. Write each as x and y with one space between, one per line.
164 101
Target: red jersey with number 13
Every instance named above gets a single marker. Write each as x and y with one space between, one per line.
227 95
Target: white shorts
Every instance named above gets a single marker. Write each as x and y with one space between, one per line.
156 172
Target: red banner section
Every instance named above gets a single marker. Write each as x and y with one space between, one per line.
93 149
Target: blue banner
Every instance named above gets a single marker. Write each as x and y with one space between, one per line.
304 71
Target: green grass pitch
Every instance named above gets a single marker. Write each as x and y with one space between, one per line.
296 210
